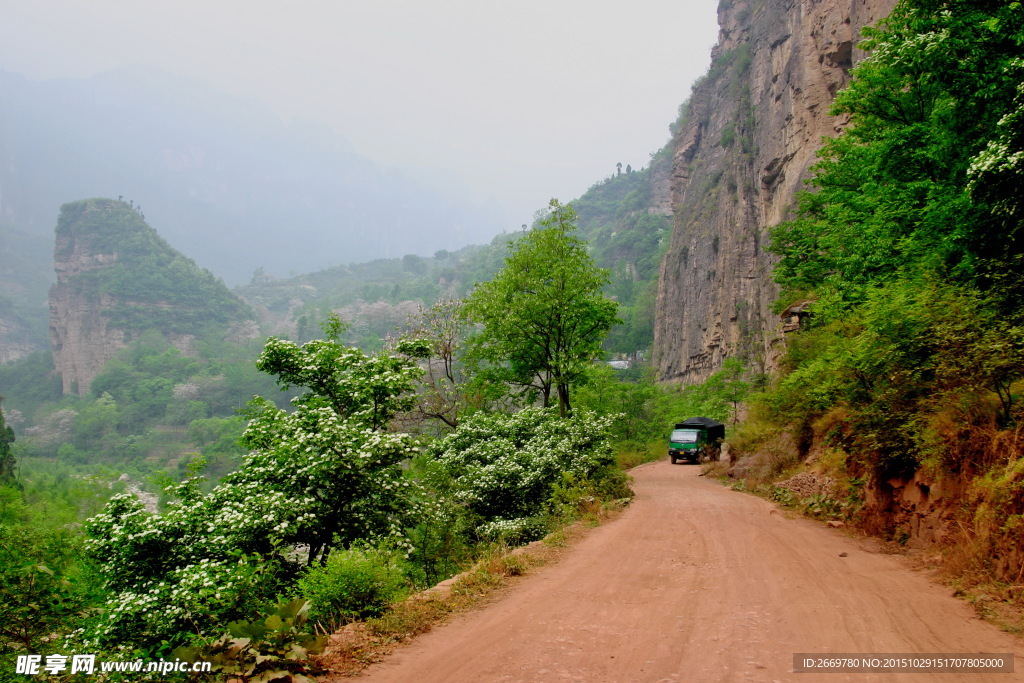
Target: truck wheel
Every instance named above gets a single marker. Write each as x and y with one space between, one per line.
672 458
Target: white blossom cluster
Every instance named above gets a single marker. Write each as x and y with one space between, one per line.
505 467
369 389
1001 164
509 529
319 476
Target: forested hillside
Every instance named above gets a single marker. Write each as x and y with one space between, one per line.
117 279
145 343
162 355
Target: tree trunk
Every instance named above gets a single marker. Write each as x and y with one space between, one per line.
563 399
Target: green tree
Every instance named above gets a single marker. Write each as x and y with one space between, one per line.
42 588
912 246
7 461
367 389
997 177
543 315
321 476
96 422
894 199
631 404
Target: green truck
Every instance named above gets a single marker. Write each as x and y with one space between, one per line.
695 439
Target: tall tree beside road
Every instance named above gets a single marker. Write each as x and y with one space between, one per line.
543 315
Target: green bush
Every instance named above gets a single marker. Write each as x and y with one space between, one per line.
46 587
504 468
353 584
271 648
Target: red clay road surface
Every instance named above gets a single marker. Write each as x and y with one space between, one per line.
696 582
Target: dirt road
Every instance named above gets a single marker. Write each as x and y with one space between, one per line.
695 582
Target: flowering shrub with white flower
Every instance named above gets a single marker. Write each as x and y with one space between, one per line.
505 468
323 475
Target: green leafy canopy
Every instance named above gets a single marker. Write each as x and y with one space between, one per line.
543 315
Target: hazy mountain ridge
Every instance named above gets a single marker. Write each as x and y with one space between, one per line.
222 179
715 284
624 218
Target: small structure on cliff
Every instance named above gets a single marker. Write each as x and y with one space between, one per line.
794 317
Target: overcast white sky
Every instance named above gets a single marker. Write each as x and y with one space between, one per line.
524 100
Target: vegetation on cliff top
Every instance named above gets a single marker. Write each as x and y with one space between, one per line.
152 286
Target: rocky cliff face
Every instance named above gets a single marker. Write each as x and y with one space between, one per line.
116 278
83 341
742 149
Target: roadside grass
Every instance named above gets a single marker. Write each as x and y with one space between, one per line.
997 603
962 566
360 644
630 454
1000 603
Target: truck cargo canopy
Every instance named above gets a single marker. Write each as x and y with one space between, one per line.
705 422
714 428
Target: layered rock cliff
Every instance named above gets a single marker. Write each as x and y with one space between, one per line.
116 278
742 148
